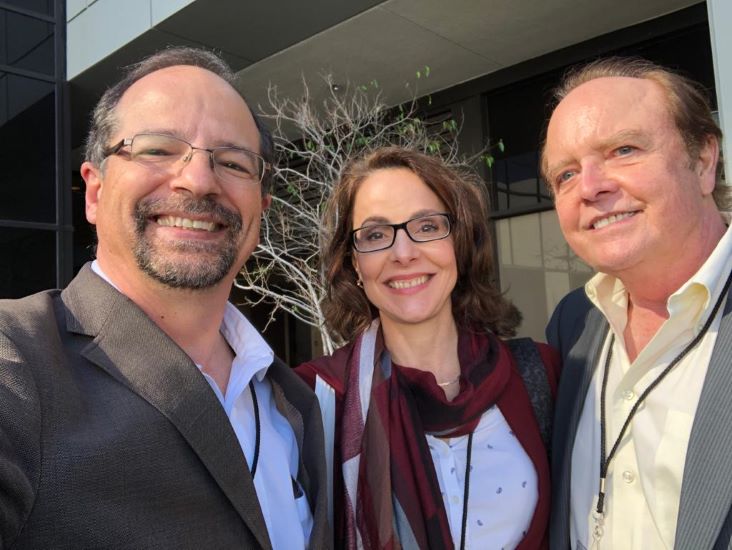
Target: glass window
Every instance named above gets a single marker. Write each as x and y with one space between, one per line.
27 42
517 184
44 7
27 149
28 261
19 94
516 115
537 267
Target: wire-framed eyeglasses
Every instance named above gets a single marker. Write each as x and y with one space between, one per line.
168 152
422 229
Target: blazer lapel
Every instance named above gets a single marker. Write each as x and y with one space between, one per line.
295 401
577 370
133 350
706 490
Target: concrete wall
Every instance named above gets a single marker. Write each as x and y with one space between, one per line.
96 28
720 17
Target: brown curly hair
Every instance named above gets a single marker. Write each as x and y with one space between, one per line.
477 303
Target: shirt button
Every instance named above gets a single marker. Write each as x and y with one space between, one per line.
628 476
628 395
454 499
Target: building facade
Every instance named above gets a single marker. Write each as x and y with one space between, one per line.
492 65
35 191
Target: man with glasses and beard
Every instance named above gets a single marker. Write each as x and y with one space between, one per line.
138 407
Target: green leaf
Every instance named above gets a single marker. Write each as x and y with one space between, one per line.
501 147
426 70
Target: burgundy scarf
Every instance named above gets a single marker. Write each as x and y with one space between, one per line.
393 496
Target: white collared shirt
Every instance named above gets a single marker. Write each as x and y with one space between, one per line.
289 520
644 480
503 489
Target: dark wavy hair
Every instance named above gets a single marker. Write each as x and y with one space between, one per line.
104 117
686 99
477 303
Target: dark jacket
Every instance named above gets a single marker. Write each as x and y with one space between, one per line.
111 438
577 329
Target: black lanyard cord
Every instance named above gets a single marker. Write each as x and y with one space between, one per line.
605 462
255 405
466 492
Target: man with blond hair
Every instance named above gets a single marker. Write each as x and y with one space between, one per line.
642 439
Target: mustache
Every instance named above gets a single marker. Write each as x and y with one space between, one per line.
147 208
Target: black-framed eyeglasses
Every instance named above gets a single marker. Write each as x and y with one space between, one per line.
168 152
422 229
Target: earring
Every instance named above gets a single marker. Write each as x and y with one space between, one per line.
359 283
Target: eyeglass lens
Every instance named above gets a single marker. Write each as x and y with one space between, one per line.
422 229
166 151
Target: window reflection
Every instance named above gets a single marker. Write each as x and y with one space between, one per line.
516 114
44 7
27 43
517 183
28 261
27 151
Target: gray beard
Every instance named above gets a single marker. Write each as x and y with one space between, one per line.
206 264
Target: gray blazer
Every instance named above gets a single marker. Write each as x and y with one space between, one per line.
577 329
111 438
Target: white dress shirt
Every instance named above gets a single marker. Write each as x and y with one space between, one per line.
644 479
288 519
503 488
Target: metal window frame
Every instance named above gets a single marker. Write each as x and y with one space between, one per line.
62 227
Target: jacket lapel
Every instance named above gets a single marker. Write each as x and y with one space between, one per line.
577 370
296 402
706 490
133 350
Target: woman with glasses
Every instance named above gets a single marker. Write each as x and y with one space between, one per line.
432 439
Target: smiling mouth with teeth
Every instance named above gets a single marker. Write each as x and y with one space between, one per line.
408 283
187 223
599 224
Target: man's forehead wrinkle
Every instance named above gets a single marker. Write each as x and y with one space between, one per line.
153 95
579 118
575 125
165 84
149 102
568 129
601 110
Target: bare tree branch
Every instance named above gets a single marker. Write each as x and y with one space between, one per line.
313 142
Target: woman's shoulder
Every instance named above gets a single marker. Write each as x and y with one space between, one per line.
521 350
552 364
528 350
